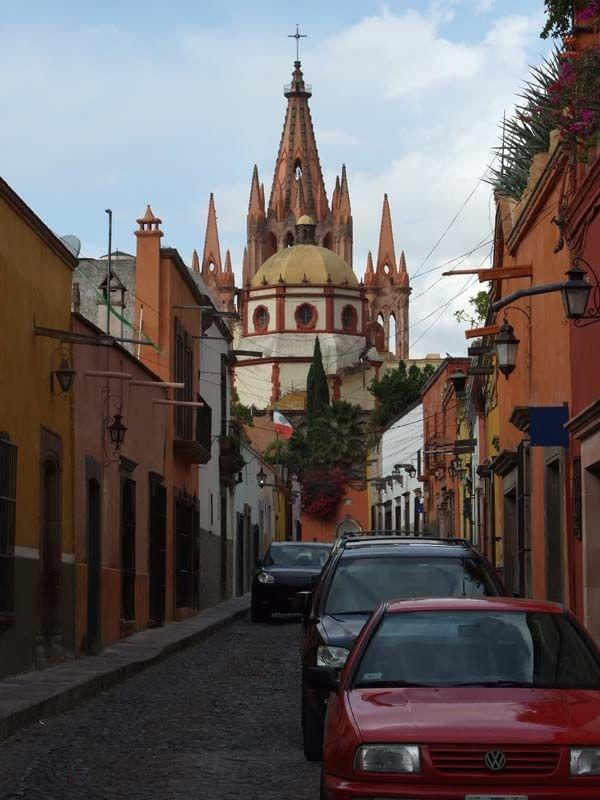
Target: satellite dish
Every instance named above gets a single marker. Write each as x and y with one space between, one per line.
72 243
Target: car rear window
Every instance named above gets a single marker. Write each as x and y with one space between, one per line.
478 648
360 584
294 555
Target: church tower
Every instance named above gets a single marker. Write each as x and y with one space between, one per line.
388 290
220 281
297 190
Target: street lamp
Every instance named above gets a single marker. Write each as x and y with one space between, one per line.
117 431
575 292
458 380
506 348
261 478
64 375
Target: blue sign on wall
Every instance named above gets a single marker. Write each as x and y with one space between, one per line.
547 426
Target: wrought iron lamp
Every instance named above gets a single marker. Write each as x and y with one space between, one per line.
458 380
575 292
506 348
64 376
117 431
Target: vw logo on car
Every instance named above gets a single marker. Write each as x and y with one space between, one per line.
495 760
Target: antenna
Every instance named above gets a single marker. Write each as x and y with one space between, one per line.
72 243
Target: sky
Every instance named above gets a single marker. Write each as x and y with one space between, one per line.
121 103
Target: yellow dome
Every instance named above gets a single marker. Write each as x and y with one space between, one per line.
305 220
304 262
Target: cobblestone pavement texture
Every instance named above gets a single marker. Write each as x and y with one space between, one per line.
220 720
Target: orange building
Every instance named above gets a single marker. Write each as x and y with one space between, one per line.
443 411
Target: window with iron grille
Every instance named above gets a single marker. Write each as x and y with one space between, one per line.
128 491
187 551
8 502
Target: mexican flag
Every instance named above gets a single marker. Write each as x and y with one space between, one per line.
282 425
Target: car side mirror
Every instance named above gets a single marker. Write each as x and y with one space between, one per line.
326 679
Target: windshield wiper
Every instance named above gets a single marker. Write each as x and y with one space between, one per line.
347 613
392 685
518 684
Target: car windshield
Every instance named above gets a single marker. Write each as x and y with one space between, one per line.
474 648
297 555
360 584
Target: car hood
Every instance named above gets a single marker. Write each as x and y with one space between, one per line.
292 576
477 715
341 630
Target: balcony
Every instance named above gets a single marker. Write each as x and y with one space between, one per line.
193 433
231 460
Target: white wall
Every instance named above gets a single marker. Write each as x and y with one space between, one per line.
400 444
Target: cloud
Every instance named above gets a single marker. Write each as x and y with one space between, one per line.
108 116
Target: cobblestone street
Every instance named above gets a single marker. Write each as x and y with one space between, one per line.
220 720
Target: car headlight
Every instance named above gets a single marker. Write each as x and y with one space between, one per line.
332 656
387 758
585 761
265 577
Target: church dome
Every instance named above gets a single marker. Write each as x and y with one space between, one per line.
302 263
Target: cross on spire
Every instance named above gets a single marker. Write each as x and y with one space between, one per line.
297 36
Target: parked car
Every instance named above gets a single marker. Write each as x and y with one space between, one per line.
287 568
362 572
466 699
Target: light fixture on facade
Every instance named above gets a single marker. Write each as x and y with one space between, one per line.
506 348
64 376
261 478
117 431
458 380
575 292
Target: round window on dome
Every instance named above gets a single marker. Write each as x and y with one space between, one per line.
261 319
306 316
349 319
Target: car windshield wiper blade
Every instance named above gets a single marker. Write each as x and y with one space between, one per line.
517 684
392 685
348 613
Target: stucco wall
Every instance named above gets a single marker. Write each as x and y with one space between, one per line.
35 283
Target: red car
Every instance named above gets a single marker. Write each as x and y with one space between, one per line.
466 699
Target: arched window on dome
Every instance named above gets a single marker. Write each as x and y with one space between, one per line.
392 330
306 317
289 239
260 318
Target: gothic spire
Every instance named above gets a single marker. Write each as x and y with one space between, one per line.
386 255
256 205
344 211
369 272
212 251
298 157
195 261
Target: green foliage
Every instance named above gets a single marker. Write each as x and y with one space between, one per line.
325 456
479 307
396 391
241 414
559 18
527 132
277 452
317 388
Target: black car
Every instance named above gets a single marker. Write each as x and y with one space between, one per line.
361 573
287 568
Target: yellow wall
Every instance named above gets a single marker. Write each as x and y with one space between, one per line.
34 283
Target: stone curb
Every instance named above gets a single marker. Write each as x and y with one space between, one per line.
25 699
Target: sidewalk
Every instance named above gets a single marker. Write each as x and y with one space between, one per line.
35 695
